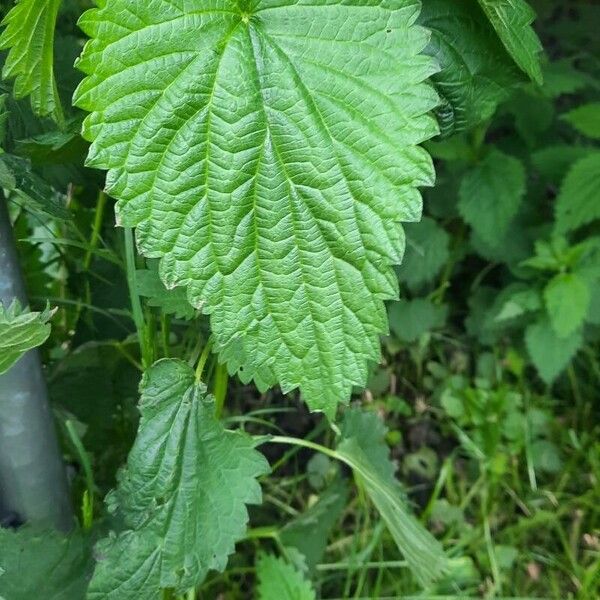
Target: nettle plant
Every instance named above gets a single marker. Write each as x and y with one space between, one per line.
265 153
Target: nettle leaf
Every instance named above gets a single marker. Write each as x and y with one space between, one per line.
34 560
29 37
567 298
476 71
577 203
183 494
20 331
586 119
278 580
490 195
512 21
549 353
362 446
267 151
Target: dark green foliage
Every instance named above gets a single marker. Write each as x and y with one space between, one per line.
242 144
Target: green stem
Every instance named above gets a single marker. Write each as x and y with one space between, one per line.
136 305
203 358
220 388
84 459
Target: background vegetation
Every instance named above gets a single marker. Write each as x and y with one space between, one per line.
489 384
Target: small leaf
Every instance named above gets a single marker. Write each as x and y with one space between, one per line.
29 37
512 21
20 331
549 353
278 211
409 319
278 580
490 195
171 302
567 299
586 119
578 200
183 494
362 446
426 253
35 561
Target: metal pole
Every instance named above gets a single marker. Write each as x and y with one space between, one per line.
33 484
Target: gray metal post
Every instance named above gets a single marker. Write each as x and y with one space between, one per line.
33 484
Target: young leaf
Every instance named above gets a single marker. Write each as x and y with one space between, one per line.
549 353
267 152
29 37
34 560
278 580
490 195
362 446
586 119
183 494
476 71
567 299
512 21
577 203
426 253
20 331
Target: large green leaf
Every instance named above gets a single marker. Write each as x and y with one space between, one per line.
183 494
362 446
29 36
278 580
490 195
476 71
512 21
267 151
38 563
577 203
20 331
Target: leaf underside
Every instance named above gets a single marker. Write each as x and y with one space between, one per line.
183 494
267 151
